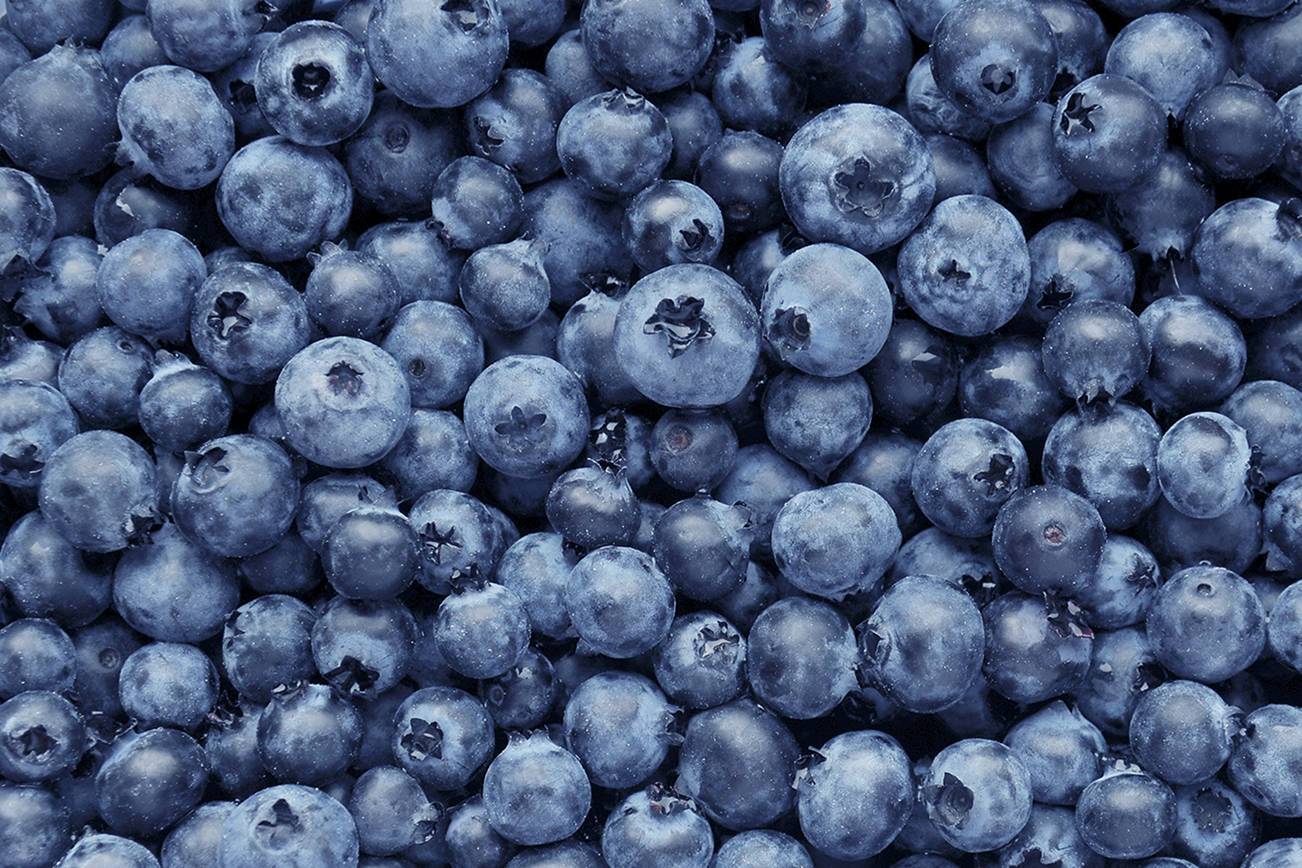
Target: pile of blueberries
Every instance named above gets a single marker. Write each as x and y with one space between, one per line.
651 433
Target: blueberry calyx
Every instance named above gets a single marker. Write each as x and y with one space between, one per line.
1054 296
344 379
716 639
351 677
1076 115
856 188
681 321
423 740
311 80
1066 617
951 801
227 317
241 97
998 475
952 273
791 330
997 79
694 240
433 541
22 458
280 829
1211 811
34 742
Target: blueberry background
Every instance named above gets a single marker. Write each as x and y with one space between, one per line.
650 433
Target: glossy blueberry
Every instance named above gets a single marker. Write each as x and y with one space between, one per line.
1126 815
693 450
614 143
168 684
438 350
914 375
858 175
1232 540
978 794
433 453
1122 669
476 203
98 491
1217 606
1022 162
1198 352
327 498
363 647
694 124
1005 383
150 781
703 545
752 90
873 67
687 336
618 725
308 734
582 234
131 202
458 538
701 663
57 113
397 154
923 624
436 54
1048 539
1274 853
960 170
1162 211
174 127
59 299
522 697
506 285
1247 257
37 655
1060 749
536 792
994 80
172 590
514 123
738 761
1270 412
1036 647
47 577
1203 464
537 568
644 611
236 495
1182 731
481 631
344 402
204 36
816 421
854 776
740 172
1108 133
931 110
671 222
280 199
247 321
183 405
648 45
966 269
36 421
442 736
351 293
266 643
801 657
965 472
1234 131
1073 260
391 811
816 36
102 374
1122 588
291 826
835 540
1260 765
147 283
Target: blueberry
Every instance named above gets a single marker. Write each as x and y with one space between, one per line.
481 629
1234 131
1270 412
522 697
441 736
738 761
236 495
344 402
740 172
978 794
1182 732
997 81
57 113
396 155
506 285
36 421
1073 260
458 538
146 284
1199 353
41 736
196 840
308 734
922 625
914 375
1232 540
266 643
174 127
874 66
173 591
1122 589
60 298
655 826
280 199
966 269
150 781
931 110
965 472
801 657
1246 257
1036 648
694 124
1203 464
1170 55
313 84
1284 628
475 203
97 490
819 279
168 684
835 540
1217 606
470 836
247 321
960 170
762 847
204 36
648 45
436 55
1274 853
1048 539
1258 767
858 175
1213 824
129 47
536 792
291 826
618 725
614 143
963 562
671 222
816 421
537 568
569 67
687 336
327 498
701 663
351 293
1127 814
1060 749
1005 382
643 607
1162 211
96 848
102 374
363 647
391 811
1023 164
514 123
584 249
1108 133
